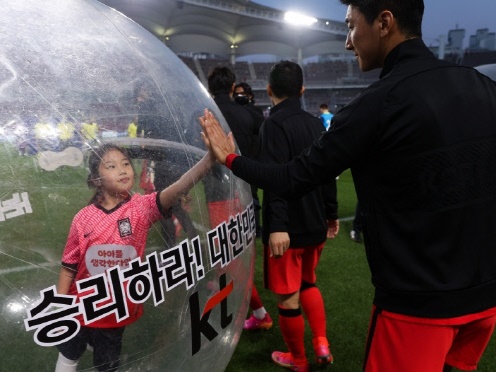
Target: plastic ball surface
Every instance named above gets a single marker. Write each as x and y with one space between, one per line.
75 75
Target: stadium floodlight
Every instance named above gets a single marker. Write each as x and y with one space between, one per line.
299 19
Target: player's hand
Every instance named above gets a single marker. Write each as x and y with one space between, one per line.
278 243
332 228
214 137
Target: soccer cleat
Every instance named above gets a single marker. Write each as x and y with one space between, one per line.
355 236
322 352
286 360
254 324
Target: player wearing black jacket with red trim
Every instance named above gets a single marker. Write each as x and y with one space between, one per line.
301 224
285 133
424 176
421 145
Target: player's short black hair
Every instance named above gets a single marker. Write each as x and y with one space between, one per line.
220 80
286 79
408 13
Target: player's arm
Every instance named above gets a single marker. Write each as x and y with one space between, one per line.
332 228
329 192
220 144
275 149
181 187
278 243
66 277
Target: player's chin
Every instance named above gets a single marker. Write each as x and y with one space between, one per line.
123 192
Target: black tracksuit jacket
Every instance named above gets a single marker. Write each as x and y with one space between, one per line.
283 135
421 145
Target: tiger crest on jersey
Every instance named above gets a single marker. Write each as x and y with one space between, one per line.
125 227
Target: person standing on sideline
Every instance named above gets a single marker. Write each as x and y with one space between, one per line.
132 129
260 318
301 225
421 145
89 132
221 83
244 96
325 116
66 131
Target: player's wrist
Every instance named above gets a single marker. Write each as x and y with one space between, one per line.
229 160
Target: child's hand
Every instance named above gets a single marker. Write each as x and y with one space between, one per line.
217 142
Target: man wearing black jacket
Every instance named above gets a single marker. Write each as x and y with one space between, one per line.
421 145
243 95
221 83
300 225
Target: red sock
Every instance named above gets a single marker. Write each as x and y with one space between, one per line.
255 301
312 304
292 327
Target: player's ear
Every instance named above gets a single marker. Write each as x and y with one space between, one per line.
269 90
386 21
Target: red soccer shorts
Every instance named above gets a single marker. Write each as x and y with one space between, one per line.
284 275
220 211
409 344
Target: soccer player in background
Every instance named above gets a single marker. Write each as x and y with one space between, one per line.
301 225
325 116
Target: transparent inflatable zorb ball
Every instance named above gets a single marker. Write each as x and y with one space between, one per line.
75 75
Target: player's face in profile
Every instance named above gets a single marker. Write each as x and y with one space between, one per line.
363 39
116 172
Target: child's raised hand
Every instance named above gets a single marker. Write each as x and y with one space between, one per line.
215 138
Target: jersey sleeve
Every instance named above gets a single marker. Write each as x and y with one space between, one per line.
72 255
152 207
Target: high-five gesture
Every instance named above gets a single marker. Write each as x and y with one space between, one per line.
215 138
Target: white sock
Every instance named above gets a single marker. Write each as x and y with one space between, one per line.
260 313
65 365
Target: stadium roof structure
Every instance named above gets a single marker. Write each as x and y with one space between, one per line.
489 70
235 28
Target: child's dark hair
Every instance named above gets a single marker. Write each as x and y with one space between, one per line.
94 161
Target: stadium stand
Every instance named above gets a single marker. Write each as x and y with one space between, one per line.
190 62
192 29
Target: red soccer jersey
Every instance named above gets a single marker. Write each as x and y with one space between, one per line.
99 239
